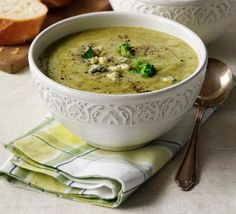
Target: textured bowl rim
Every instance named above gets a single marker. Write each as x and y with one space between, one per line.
77 92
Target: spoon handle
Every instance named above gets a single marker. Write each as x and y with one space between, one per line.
187 174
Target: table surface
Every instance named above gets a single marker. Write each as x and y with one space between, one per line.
21 109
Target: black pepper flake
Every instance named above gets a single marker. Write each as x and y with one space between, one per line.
96 88
138 89
62 78
174 80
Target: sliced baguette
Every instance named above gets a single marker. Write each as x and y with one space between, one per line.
20 20
56 3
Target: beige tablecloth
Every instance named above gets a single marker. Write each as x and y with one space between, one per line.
21 109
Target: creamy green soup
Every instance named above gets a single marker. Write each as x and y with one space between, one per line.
119 60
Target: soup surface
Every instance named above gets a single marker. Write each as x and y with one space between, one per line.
119 60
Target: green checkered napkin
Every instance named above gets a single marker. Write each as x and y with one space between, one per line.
52 159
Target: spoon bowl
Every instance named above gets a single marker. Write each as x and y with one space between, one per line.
218 83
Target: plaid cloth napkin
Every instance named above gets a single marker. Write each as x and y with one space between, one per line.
52 159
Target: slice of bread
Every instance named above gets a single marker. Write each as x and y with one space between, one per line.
56 3
20 20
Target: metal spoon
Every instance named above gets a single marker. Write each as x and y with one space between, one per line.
216 88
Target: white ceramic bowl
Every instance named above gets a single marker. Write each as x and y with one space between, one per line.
208 18
117 122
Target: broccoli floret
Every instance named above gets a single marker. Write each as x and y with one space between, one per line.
89 53
144 68
148 70
126 50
